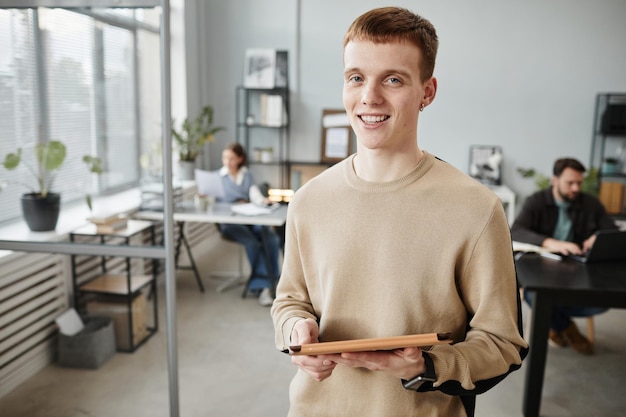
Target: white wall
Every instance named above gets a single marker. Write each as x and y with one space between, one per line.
522 75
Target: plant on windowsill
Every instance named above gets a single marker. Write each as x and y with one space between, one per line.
41 206
191 137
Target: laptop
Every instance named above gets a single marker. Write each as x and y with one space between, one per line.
610 245
209 183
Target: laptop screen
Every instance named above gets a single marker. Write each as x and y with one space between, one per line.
609 245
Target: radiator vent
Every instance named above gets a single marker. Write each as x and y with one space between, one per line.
33 293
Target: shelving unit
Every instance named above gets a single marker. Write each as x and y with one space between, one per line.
608 151
263 130
118 287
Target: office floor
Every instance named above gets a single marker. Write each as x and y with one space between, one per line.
228 366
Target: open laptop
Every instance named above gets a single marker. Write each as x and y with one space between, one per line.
610 245
209 183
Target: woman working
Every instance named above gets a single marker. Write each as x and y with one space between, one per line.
261 242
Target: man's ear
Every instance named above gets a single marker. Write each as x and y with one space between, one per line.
430 90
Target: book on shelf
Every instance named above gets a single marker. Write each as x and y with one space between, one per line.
107 218
112 227
273 111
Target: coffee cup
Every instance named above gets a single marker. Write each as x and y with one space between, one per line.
201 202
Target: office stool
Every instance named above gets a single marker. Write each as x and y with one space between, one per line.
232 279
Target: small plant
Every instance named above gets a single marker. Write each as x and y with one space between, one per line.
541 181
94 164
49 157
193 134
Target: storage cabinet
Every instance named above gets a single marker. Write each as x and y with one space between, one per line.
263 130
608 151
121 288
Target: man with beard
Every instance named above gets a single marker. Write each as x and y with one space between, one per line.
562 219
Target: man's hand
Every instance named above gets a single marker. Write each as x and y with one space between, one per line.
318 367
400 363
561 246
587 244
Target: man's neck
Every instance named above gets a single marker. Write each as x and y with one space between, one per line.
377 166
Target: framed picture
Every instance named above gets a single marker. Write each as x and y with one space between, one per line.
336 135
265 68
486 164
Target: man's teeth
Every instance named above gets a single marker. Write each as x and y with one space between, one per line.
373 119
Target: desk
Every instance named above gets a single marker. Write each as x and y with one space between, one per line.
564 282
217 213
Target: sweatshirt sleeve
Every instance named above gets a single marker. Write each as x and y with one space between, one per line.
493 345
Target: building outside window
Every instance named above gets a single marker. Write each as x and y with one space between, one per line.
88 78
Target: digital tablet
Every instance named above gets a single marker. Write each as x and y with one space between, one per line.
364 345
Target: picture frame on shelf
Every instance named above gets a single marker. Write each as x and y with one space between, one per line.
336 135
265 68
485 164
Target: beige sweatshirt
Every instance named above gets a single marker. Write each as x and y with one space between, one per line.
429 252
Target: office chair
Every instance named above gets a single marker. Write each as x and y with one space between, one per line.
235 278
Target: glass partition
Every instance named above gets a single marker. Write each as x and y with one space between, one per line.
96 78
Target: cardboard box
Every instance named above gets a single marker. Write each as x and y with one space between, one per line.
117 310
612 196
89 348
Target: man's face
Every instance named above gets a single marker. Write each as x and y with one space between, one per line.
567 185
382 92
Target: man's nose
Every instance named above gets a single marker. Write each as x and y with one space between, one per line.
371 94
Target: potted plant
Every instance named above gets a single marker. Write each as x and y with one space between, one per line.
41 207
190 138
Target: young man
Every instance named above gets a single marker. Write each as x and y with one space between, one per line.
563 220
392 241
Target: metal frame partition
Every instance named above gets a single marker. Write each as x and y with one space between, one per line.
165 252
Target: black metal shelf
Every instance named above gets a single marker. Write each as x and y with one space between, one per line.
609 132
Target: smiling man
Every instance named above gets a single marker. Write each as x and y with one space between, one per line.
392 241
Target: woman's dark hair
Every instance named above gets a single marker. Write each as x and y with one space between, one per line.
238 150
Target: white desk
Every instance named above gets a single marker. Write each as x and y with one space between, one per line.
217 213
507 196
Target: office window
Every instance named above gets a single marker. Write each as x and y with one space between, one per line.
77 78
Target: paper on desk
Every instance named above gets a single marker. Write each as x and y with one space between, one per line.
526 247
251 209
522 248
69 322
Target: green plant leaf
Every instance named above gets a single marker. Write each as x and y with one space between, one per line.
94 164
12 160
194 133
50 155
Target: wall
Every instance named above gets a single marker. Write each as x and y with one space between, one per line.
522 75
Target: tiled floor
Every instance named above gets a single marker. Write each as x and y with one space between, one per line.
228 366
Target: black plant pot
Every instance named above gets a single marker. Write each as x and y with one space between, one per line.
41 213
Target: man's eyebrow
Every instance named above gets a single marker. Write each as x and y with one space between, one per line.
405 74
